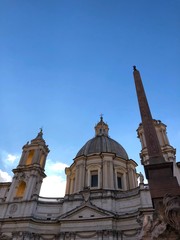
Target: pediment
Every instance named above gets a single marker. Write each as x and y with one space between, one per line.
86 212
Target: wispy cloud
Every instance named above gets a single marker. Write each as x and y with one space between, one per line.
8 159
58 167
4 176
55 167
11 158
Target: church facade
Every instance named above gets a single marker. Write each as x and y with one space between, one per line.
105 197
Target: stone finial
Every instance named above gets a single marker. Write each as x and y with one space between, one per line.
134 68
40 134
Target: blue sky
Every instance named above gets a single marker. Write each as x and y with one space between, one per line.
63 63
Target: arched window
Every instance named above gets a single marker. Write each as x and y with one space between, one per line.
119 181
21 189
120 178
94 176
30 157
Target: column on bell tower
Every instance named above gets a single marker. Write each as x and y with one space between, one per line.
169 153
29 174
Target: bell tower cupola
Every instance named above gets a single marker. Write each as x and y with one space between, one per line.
29 174
35 153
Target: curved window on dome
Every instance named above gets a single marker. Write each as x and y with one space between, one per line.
94 178
93 175
119 180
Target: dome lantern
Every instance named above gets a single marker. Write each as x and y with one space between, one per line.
101 128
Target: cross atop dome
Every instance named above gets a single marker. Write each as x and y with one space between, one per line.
101 117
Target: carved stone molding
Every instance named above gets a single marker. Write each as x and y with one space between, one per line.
54 237
86 194
25 236
5 237
13 208
85 235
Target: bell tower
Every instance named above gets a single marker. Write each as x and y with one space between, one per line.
29 174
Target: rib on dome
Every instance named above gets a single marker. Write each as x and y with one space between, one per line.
102 143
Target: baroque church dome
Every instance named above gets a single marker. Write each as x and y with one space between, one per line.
102 143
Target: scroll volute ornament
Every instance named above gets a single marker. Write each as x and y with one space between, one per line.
172 211
165 223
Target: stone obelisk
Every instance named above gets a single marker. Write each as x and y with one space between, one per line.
158 172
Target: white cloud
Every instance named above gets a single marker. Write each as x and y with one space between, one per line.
53 186
8 159
55 168
4 177
11 158
55 183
